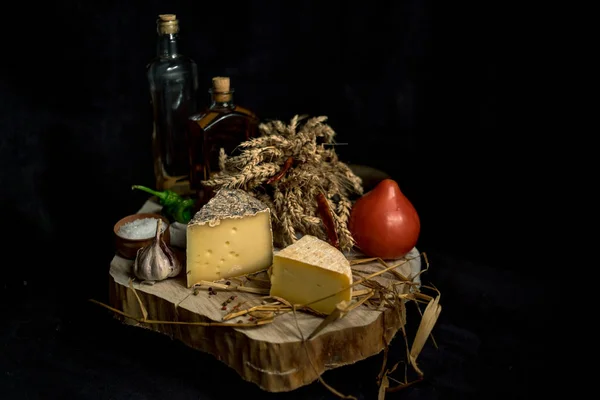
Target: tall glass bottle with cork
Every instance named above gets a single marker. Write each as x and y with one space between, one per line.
173 80
223 124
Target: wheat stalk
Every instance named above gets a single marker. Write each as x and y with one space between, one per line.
292 197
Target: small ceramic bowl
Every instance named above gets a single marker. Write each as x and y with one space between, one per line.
127 247
178 234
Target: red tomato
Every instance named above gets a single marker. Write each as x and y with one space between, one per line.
384 223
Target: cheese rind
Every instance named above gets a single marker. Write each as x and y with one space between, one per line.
229 236
309 270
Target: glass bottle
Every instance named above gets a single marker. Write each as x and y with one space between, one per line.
223 124
173 80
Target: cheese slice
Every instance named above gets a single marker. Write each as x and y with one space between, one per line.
229 236
309 270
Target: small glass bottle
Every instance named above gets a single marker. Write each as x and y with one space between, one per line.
173 80
223 124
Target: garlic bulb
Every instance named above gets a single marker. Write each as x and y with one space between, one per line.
156 261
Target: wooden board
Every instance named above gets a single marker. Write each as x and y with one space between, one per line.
273 356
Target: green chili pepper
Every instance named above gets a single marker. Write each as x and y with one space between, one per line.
174 205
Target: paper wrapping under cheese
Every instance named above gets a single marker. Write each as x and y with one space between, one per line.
230 236
309 270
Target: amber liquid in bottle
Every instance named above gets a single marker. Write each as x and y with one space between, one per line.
223 124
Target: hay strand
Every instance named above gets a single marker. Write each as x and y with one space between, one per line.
142 308
310 360
430 316
205 285
215 324
339 312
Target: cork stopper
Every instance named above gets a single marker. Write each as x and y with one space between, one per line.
167 17
221 89
220 84
168 24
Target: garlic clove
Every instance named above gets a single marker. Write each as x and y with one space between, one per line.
173 260
156 262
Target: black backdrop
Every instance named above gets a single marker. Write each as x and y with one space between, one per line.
419 89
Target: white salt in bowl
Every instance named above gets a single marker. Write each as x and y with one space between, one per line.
136 231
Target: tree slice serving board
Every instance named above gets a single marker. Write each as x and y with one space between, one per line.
273 356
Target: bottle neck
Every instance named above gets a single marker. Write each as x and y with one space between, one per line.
221 99
167 45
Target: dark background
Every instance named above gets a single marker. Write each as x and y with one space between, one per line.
423 90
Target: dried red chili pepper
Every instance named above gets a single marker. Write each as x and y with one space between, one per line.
287 165
327 218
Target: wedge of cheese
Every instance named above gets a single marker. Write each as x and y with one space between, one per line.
229 236
309 270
